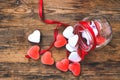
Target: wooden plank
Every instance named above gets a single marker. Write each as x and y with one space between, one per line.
108 70
18 18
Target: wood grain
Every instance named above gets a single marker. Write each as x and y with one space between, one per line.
19 18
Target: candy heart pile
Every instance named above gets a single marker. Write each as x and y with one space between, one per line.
71 46
78 41
70 40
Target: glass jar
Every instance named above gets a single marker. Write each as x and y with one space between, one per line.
94 32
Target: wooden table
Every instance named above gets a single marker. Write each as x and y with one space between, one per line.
19 18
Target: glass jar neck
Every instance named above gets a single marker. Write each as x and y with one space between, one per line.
87 40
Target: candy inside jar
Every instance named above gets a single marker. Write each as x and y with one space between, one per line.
94 32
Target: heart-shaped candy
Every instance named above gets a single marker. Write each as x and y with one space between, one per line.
86 35
98 25
72 41
47 58
34 37
33 52
75 68
63 65
60 42
68 32
100 40
74 57
71 49
93 26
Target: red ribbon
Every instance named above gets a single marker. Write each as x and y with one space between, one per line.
85 24
59 24
46 20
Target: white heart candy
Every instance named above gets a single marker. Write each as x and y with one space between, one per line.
72 41
74 57
86 35
34 37
68 32
93 26
71 49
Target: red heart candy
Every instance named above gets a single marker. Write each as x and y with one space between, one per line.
33 52
47 58
75 68
61 41
63 65
98 25
100 39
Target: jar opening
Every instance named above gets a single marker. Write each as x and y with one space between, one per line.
86 36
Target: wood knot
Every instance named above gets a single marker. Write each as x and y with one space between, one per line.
20 10
23 9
